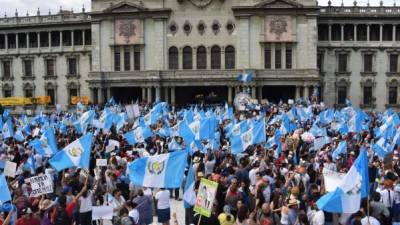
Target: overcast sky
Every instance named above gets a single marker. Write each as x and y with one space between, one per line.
31 6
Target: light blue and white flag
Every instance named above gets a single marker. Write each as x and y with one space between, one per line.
4 191
29 165
7 130
354 186
245 77
138 135
255 135
46 145
340 149
19 136
76 154
355 123
189 195
382 147
159 171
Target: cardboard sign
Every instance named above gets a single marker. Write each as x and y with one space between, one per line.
41 185
10 169
205 197
103 212
101 162
332 179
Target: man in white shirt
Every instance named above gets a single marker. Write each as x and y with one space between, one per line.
163 206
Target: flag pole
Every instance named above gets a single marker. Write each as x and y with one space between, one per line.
198 223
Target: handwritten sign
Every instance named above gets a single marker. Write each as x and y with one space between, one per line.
332 179
101 162
10 169
41 185
103 212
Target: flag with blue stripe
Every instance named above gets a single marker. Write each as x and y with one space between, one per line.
382 147
354 186
29 165
255 135
138 135
340 149
76 154
245 77
189 195
19 136
159 171
7 130
4 191
46 145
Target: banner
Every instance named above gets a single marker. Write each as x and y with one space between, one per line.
83 99
42 100
205 197
332 179
15 101
41 185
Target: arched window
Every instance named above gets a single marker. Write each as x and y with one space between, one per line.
187 58
215 57
201 57
230 57
173 58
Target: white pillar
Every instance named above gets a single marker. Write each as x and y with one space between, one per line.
38 39
143 93
49 39
368 32
330 32
83 37
306 92
166 94
297 96
72 38
381 32
157 94
355 32
61 39
342 32
16 40
100 95
149 95
173 96
394 33
6 40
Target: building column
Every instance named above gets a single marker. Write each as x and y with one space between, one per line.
143 93
355 32
297 96
194 57
100 96
381 32
38 39
394 33
49 38
180 58
253 92
27 40
61 39
72 38
173 96
108 93
237 89
83 38
342 32
166 94
158 94
306 92
329 32
149 95
6 40
368 32
222 58
208 58
16 41
259 93
229 95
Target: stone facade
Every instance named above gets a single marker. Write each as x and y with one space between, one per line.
192 50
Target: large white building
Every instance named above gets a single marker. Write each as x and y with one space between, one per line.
183 51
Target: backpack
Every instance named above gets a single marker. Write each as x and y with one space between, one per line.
62 217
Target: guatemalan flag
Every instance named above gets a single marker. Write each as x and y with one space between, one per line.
46 145
340 149
159 171
255 135
245 77
138 135
4 191
354 186
76 154
189 195
7 130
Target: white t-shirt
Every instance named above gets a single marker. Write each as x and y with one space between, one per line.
162 199
318 218
372 221
252 176
117 203
86 203
134 214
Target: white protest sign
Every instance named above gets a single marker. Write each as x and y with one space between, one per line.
10 169
41 185
103 212
332 179
101 162
111 145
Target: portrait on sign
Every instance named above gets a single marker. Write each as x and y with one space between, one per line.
278 28
127 31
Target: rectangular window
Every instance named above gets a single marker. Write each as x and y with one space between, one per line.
392 95
136 58
342 64
117 60
368 63
51 93
288 56
72 66
7 93
28 93
342 95
72 92
393 60
278 56
367 95
50 67
320 62
127 59
6 69
267 57
28 68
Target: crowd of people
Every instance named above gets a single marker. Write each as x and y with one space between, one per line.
277 181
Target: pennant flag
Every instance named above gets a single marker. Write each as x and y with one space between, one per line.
245 77
138 135
354 186
189 195
76 154
4 191
160 171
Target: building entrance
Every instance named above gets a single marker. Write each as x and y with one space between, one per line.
277 93
201 95
126 94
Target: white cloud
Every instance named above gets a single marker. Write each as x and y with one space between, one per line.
31 6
